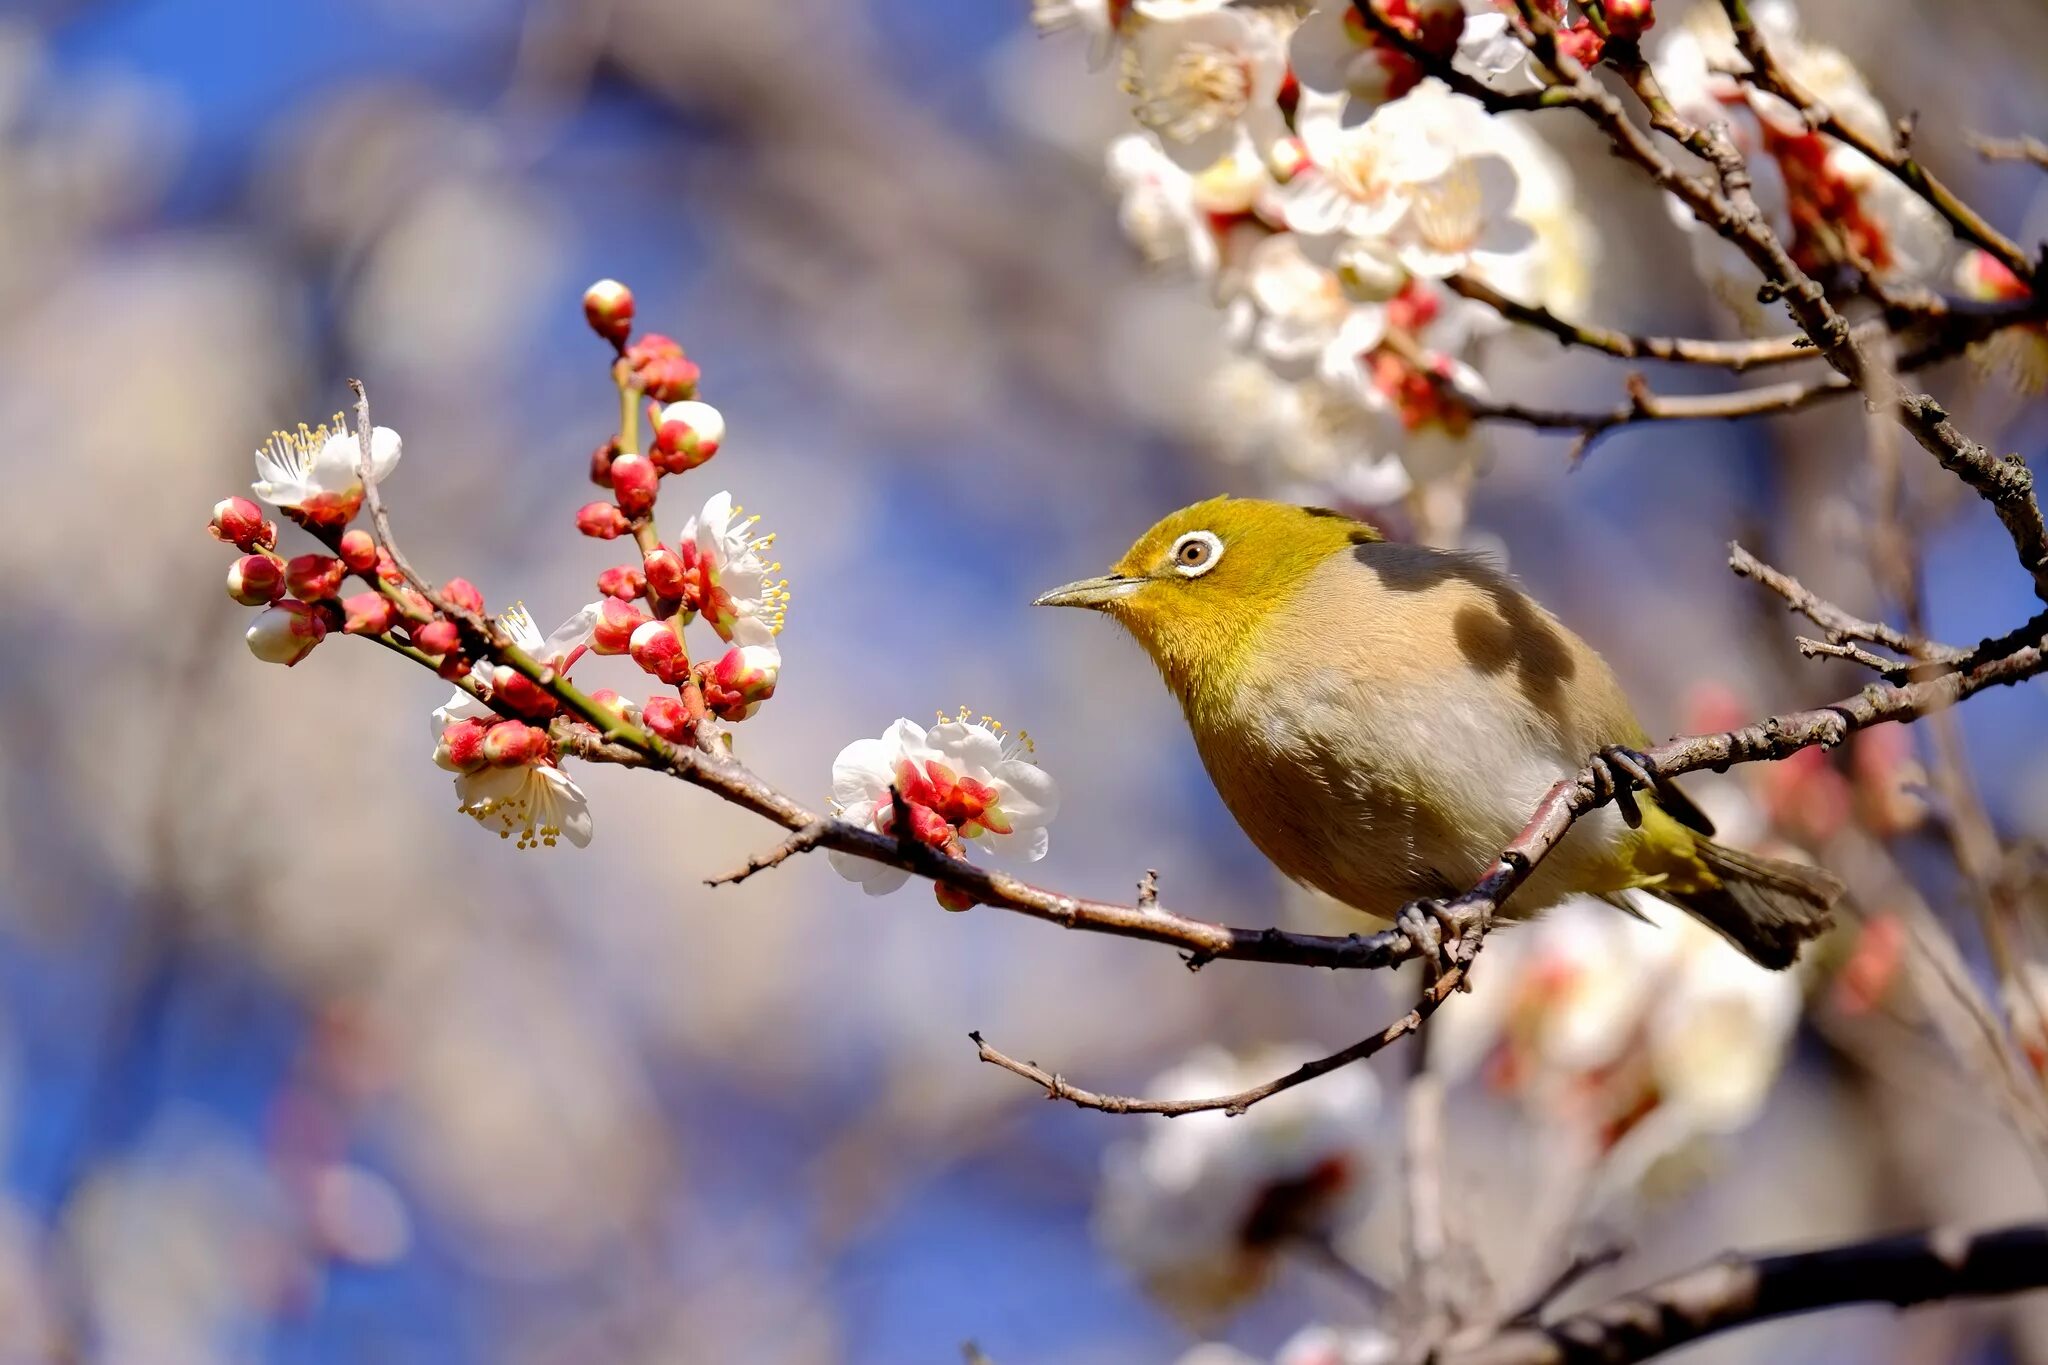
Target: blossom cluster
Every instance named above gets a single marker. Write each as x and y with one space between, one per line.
1200 1207
1302 168
504 732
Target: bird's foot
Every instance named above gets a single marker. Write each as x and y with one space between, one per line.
1437 930
1618 773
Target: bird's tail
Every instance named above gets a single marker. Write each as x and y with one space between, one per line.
1765 906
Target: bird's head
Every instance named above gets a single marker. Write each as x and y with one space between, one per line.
1196 587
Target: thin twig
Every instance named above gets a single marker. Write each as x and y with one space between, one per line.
803 841
1728 355
2010 149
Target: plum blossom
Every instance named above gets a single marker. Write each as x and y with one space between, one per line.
1200 1205
1303 324
732 568
1207 84
1312 1345
965 782
558 649
1334 52
1358 181
316 471
1100 20
537 802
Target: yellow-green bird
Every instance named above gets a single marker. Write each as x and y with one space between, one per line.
1383 719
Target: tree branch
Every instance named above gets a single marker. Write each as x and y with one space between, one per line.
1737 1290
2030 149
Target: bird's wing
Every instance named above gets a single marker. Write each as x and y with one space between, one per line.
1682 808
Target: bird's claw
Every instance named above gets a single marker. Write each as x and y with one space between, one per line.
1618 773
1436 930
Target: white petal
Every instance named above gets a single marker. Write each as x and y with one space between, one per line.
571 635
1030 796
861 774
968 747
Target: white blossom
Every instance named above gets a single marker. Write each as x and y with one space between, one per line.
320 467
1208 83
1197 1206
735 566
537 802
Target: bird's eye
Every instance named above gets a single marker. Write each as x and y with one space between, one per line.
1195 553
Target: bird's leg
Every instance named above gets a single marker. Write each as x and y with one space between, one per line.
1618 772
1434 926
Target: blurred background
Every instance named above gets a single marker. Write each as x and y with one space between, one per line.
297 1064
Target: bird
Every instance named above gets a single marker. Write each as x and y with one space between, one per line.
1383 718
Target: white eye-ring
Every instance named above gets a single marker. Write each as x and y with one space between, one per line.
1195 553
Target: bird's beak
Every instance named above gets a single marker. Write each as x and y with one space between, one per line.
1092 593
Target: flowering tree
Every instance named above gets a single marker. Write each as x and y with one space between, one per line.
1367 195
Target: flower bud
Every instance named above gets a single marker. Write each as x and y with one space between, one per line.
368 613
666 375
601 463
611 703
358 551
657 648
736 685
1438 25
664 569
669 718
522 694
461 749
601 521
687 434
616 622
513 744
623 581
1630 19
436 637
635 481
388 570
927 826
1581 44
463 595
255 580
314 578
285 633
608 308
952 897
240 523
453 667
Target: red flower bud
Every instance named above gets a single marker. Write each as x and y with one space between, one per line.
1630 19
388 570
952 897
240 523
513 744
1581 44
635 481
616 622
601 521
664 372
522 694
606 700
670 719
737 684
1437 25
286 633
685 435
623 581
255 580
368 613
665 576
314 578
358 551
436 637
601 463
657 648
461 748
462 594
454 667
608 308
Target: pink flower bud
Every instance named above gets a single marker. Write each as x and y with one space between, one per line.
240 523
1581 44
952 897
601 463
616 622
608 308
623 581
255 580
635 481
436 637
388 570
453 667
739 682
670 719
664 372
1630 19
368 613
665 577
522 694
314 578
414 604
461 749
687 434
601 521
610 702
514 744
358 551
286 633
462 594
657 648
330 510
